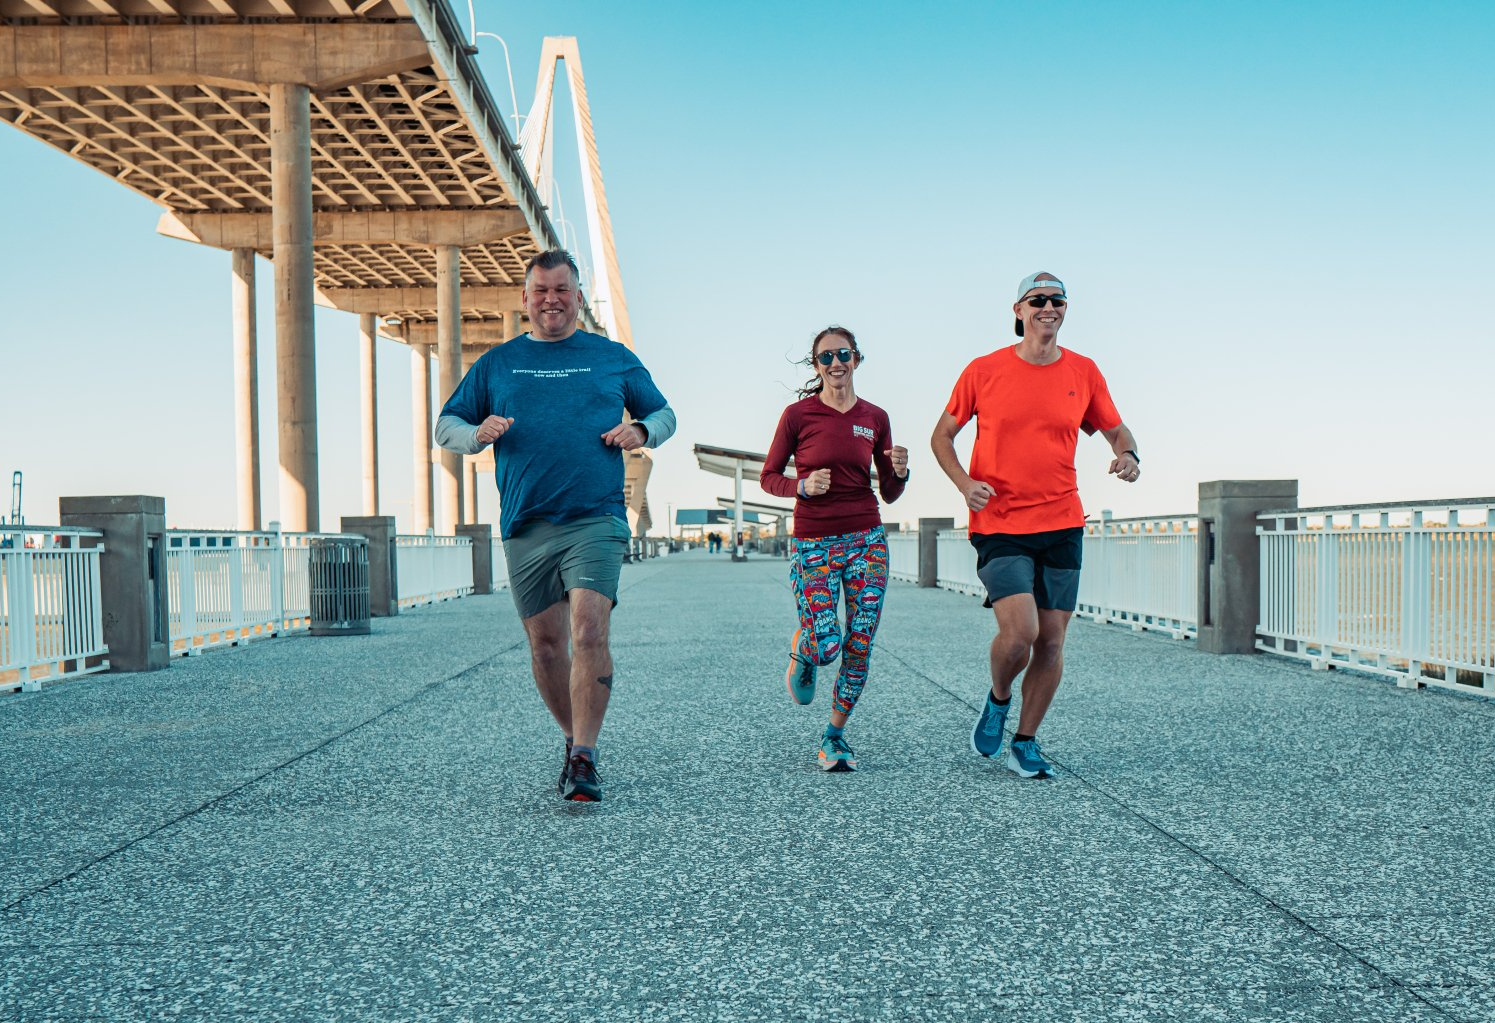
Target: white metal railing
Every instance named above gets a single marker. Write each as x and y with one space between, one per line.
955 563
903 556
51 614
225 588
500 565
1142 572
431 568
1403 590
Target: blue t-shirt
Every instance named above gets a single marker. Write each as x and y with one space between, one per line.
563 396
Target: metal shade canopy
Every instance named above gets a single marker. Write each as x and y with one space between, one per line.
736 464
763 511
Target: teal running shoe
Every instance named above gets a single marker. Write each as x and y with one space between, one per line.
801 674
986 737
835 755
1025 760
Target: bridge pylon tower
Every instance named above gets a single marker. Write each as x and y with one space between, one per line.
608 303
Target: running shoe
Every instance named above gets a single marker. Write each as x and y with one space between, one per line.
1025 760
835 755
560 783
801 674
986 737
582 783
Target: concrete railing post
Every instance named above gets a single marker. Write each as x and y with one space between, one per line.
929 549
1230 559
482 556
384 589
132 576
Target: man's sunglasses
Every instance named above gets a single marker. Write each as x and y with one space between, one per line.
1039 301
844 354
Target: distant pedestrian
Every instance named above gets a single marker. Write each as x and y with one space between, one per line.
551 402
835 438
1030 401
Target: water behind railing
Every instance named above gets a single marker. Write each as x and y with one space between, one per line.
1403 590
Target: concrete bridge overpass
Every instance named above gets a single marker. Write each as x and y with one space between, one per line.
355 145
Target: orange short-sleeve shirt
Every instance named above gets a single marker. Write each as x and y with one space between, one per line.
1028 420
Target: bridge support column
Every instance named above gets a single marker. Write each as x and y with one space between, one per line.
513 324
482 556
246 393
449 361
384 583
369 405
1230 559
929 549
469 491
132 576
420 414
295 344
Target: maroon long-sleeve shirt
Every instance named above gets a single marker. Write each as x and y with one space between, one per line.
848 444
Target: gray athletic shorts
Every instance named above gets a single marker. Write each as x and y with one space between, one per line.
1046 565
548 560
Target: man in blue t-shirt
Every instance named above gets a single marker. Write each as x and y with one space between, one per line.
552 404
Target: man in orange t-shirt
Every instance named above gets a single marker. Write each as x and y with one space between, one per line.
1030 401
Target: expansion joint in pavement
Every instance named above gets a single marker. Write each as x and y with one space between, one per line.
1192 850
222 796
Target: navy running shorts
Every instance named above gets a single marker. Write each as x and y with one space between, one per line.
1046 565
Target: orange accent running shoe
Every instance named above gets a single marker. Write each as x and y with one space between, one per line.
800 678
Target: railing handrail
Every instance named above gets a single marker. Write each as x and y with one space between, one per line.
263 532
68 530
1096 521
1487 503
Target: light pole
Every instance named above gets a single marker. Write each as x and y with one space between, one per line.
508 67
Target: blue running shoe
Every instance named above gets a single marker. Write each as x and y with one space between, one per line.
801 674
1025 760
835 755
986 737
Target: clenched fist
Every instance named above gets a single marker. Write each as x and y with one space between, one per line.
494 427
899 456
815 483
626 436
977 494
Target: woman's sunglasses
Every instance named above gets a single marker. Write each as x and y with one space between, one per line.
844 354
1039 301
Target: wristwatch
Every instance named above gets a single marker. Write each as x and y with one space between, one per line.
1135 457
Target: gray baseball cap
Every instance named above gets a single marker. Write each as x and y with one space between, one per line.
1030 282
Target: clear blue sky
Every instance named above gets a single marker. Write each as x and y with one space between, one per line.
1275 221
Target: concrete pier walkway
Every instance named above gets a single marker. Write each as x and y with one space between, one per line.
366 829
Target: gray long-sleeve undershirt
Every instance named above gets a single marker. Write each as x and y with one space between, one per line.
458 435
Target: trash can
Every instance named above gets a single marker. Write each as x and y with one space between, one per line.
339 570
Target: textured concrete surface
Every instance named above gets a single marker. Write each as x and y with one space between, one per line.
365 828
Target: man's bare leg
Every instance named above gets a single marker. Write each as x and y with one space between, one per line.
591 678
550 660
1012 647
1045 666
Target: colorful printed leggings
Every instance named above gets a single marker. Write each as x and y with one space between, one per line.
818 569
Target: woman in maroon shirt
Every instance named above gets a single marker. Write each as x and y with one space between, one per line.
834 438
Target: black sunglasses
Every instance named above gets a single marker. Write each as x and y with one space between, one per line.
844 354
1039 301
